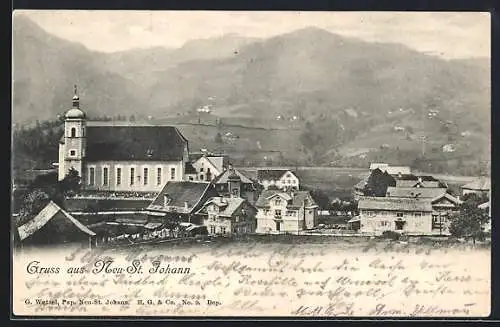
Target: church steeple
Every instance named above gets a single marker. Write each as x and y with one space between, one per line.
76 99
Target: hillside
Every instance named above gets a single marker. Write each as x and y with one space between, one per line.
131 63
341 97
312 71
45 68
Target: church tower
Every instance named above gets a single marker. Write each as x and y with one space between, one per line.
72 147
234 183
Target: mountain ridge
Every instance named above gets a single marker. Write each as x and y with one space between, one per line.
340 86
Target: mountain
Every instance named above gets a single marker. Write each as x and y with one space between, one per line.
312 71
346 94
45 68
130 63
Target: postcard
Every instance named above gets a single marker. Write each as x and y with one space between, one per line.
251 164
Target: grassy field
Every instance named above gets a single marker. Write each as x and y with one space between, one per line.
339 181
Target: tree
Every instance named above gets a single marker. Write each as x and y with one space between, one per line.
468 222
378 182
71 183
33 203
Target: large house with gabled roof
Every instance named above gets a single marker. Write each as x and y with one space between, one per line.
413 215
111 156
181 200
281 211
279 178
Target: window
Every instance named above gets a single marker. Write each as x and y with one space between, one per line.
132 176
105 175
277 213
158 176
399 214
223 230
145 177
294 181
237 219
384 223
212 229
72 153
400 225
73 132
172 173
91 176
201 169
291 213
418 214
201 177
118 176
277 201
190 178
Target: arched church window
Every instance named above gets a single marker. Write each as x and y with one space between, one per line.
73 132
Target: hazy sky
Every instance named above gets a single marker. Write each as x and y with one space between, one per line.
450 35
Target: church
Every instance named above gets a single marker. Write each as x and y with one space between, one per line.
116 157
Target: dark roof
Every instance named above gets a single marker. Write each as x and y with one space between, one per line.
415 192
223 178
189 169
270 174
193 156
413 183
296 198
149 143
182 193
481 184
411 177
395 204
227 205
44 216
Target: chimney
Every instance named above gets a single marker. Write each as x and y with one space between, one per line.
419 179
165 200
186 206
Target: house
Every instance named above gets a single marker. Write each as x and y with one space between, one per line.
120 157
449 148
52 225
233 182
359 188
180 201
279 178
397 170
442 207
487 206
380 166
285 212
190 173
410 215
228 216
391 170
480 186
410 180
208 167
415 192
